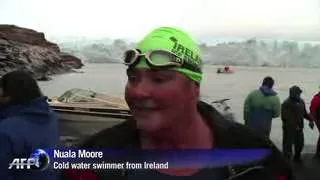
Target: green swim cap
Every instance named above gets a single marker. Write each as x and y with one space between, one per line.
177 42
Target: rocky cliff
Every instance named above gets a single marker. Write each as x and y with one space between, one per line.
22 48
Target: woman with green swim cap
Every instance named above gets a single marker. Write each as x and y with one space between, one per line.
162 91
163 88
167 48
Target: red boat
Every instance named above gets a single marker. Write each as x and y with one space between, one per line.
225 70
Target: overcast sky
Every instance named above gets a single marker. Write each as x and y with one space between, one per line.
299 19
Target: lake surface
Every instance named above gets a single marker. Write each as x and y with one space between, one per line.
111 79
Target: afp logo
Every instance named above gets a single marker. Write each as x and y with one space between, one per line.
39 160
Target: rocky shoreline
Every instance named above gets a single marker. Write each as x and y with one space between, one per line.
27 49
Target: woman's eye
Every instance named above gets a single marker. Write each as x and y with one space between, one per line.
132 78
159 79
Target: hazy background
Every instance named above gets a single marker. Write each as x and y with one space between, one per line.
286 33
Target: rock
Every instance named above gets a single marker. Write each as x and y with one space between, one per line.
44 78
71 61
26 49
26 36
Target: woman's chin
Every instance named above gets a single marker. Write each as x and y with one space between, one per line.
151 125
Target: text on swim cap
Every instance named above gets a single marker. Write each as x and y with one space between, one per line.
186 54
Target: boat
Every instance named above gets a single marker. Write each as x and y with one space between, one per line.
84 112
225 70
224 109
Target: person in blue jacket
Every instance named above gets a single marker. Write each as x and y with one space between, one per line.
27 123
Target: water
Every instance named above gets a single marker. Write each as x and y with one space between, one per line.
111 79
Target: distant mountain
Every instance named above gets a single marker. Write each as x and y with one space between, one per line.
259 53
97 51
251 52
79 40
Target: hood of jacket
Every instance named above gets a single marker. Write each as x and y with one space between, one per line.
267 91
37 109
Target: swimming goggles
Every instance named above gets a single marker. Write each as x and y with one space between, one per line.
157 59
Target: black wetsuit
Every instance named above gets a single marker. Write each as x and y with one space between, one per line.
226 134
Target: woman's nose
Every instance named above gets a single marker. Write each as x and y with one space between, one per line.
141 89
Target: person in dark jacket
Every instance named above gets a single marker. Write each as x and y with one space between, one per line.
162 91
293 112
261 106
315 112
26 124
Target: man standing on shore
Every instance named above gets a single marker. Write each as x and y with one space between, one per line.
261 106
293 112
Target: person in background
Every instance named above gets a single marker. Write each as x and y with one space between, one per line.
164 77
261 106
293 111
26 124
315 112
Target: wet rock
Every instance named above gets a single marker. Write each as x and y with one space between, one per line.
26 49
71 61
44 78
